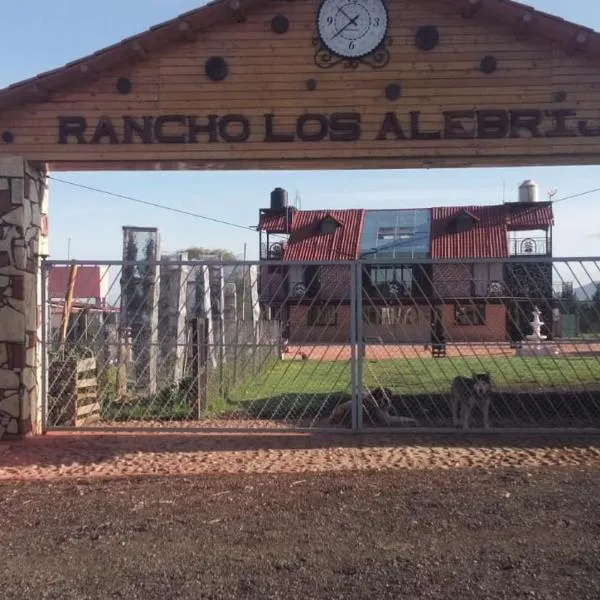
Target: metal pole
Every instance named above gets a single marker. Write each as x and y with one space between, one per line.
44 349
199 365
244 274
361 344
355 394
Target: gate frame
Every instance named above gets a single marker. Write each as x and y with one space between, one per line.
357 344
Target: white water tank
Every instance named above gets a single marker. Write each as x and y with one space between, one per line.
529 191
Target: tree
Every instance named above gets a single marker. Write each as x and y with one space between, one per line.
200 252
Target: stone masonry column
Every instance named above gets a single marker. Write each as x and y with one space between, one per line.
23 241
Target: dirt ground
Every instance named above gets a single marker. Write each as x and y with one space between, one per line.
322 352
176 515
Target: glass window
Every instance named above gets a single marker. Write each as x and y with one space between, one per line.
381 275
322 316
396 234
472 314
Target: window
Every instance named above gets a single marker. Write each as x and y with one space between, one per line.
395 233
322 316
328 225
400 277
312 280
469 314
398 274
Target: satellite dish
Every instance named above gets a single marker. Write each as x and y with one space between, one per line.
394 288
495 288
276 251
299 289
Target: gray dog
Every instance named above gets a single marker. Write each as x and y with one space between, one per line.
468 392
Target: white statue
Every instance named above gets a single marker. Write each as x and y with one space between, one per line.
536 326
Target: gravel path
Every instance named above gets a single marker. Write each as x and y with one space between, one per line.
61 455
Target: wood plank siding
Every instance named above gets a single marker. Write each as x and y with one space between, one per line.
268 75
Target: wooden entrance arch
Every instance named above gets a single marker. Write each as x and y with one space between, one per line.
247 84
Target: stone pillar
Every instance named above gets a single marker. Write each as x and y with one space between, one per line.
206 312
172 315
140 283
23 240
217 296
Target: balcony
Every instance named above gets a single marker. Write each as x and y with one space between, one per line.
530 246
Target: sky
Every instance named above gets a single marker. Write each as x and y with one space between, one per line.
86 225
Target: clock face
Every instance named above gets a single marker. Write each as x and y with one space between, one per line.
352 28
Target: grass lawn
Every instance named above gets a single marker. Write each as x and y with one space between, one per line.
302 389
417 376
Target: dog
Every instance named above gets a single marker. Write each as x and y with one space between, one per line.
468 392
377 406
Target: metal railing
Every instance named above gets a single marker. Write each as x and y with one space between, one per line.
530 246
189 343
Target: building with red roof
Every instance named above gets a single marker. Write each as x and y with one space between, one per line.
451 272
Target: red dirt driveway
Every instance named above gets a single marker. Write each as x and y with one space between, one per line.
186 516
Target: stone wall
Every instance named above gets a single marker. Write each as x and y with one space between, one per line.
23 240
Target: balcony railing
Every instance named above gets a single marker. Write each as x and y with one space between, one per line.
530 246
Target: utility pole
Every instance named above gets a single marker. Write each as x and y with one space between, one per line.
244 272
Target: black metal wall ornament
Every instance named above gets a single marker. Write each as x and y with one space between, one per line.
124 85
8 137
560 96
326 59
311 85
393 91
216 68
280 24
488 65
427 37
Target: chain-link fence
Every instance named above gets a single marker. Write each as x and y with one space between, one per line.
422 344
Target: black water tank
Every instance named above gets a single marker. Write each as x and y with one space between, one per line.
279 199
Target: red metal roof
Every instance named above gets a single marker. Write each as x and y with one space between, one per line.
87 282
272 223
485 239
307 243
530 216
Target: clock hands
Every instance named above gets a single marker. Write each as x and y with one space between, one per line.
350 22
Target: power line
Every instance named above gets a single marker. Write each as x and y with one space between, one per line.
153 204
595 190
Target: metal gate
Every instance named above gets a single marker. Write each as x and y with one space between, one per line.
348 346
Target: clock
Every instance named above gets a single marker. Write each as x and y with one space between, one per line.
352 28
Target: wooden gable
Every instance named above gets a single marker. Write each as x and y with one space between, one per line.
496 90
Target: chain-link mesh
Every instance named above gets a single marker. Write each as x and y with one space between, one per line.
421 344
496 344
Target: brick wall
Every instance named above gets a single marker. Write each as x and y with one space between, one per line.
494 329
301 332
452 281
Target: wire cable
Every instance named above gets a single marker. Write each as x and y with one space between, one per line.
576 195
180 211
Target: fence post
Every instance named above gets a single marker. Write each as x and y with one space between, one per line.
355 345
44 343
360 342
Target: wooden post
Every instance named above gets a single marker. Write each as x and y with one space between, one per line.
67 307
122 359
201 362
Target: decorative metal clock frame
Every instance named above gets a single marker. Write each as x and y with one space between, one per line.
326 58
